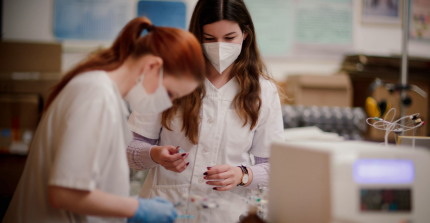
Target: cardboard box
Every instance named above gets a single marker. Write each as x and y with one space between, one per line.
30 57
414 141
308 90
29 67
40 87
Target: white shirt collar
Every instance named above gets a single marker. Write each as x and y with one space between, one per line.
226 93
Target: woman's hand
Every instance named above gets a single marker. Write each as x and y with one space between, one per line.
155 210
169 158
228 176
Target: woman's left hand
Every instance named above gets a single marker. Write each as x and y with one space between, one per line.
227 177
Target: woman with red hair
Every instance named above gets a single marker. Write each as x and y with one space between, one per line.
77 169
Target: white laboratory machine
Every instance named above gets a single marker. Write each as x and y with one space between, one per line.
348 182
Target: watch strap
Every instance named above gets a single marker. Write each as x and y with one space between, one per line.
244 171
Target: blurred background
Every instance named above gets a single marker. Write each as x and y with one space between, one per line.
325 53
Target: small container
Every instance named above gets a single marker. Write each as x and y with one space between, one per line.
252 216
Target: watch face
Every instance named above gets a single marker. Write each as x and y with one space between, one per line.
245 179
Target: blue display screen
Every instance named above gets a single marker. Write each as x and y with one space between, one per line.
383 171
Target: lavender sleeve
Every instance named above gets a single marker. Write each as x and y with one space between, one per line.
260 173
138 152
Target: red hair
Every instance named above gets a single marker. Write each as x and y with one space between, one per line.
180 50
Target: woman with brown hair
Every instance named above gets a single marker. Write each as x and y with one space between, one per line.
234 114
77 169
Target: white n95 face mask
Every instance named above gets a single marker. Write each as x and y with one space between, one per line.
221 54
145 103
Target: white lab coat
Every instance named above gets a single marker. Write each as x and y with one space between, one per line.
223 140
81 144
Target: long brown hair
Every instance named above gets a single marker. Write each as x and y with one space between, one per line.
247 68
180 51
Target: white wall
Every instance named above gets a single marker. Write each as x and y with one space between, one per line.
30 20
368 39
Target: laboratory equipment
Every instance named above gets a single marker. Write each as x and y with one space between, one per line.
257 202
199 202
399 126
360 182
347 122
404 73
252 216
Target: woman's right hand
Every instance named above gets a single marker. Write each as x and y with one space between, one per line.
170 158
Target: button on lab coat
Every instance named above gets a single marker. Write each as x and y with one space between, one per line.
222 140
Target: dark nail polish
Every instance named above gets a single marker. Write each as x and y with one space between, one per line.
177 147
209 168
214 188
205 173
188 163
207 182
184 154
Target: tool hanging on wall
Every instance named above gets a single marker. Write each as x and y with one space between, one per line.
375 108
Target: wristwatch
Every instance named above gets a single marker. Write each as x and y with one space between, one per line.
245 176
